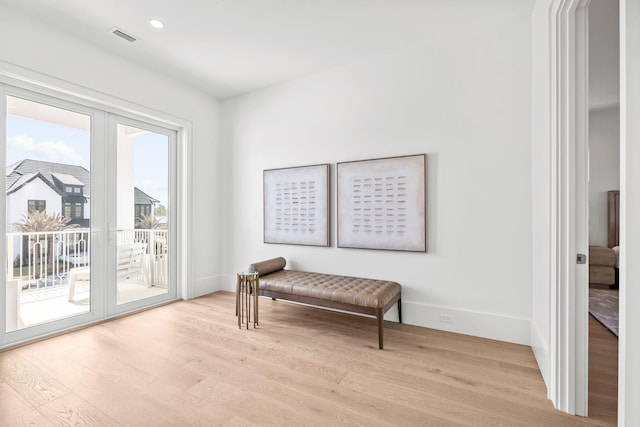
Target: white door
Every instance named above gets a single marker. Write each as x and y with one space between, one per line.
51 231
141 182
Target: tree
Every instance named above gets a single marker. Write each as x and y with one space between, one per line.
160 210
148 222
41 222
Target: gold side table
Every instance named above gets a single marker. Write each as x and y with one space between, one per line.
246 292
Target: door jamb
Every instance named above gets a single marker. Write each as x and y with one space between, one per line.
568 94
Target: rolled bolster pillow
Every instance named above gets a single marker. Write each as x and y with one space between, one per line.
268 266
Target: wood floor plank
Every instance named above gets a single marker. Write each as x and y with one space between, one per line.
409 408
302 397
494 411
16 411
123 405
187 363
603 374
57 363
132 365
70 410
35 385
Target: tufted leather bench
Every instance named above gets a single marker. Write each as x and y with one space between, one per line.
354 294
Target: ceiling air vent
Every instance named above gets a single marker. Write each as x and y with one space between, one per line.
118 32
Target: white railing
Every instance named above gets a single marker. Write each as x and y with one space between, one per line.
157 259
44 259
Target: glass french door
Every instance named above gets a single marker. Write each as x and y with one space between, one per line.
89 214
141 242
49 227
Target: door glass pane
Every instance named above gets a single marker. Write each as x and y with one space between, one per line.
48 193
142 259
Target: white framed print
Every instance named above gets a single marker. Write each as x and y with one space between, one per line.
382 204
296 205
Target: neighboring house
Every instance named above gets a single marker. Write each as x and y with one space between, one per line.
143 203
54 187
57 187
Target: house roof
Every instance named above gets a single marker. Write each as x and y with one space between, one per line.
67 179
23 180
142 198
23 171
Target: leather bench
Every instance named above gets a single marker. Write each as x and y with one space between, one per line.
352 294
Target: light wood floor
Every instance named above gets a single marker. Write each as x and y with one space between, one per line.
188 364
603 373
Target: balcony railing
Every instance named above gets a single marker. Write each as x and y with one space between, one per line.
44 259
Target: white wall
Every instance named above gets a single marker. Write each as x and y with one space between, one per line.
604 169
604 53
463 97
60 60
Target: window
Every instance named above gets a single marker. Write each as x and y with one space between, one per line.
37 205
73 210
68 189
76 190
142 210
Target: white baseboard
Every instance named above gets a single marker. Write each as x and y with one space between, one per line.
541 352
511 329
228 282
206 286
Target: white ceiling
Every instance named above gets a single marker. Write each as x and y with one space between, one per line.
229 47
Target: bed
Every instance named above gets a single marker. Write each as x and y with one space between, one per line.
352 294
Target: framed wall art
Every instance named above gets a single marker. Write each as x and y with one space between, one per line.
296 205
382 204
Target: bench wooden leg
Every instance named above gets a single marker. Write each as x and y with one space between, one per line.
379 318
399 311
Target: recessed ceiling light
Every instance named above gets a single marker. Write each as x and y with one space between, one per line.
156 23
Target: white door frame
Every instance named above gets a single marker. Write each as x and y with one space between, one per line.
629 338
566 80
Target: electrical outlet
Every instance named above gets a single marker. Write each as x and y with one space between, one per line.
446 318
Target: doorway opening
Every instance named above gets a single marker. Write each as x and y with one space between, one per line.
604 212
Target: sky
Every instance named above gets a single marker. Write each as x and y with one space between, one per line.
31 139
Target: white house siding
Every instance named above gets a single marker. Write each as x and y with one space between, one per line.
18 202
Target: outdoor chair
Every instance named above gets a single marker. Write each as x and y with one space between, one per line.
129 265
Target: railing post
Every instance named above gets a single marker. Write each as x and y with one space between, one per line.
10 258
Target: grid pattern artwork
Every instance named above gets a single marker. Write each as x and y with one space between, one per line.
382 204
296 205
